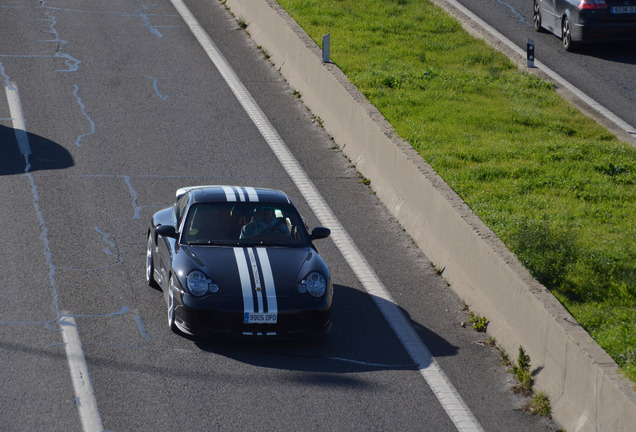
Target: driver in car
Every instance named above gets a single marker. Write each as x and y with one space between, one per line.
264 222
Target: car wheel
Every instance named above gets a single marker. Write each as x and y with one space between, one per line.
536 19
150 267
566 35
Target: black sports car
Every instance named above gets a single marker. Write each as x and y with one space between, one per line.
586 20
239 261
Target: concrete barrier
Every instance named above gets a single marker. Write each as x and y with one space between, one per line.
585 388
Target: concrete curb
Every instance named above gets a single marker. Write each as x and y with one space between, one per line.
585 388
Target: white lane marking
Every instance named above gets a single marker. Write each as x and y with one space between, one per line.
84 394
443 389
86 403
631 130
19 123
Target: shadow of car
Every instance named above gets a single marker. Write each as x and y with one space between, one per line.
44 154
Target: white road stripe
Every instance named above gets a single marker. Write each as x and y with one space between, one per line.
85 398
452 402
19 123
84 395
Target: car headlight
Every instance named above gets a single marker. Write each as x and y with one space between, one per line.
314 284
199 284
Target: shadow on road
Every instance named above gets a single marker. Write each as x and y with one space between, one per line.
45 154
361 341
624 52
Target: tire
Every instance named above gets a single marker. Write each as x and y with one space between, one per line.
150 266
566 35
536 18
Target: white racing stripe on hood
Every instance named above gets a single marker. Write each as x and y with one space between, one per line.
251 193
263 279
244 275
229 193
257 281
233 194
268 280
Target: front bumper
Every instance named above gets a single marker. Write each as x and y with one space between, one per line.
204 322
225 321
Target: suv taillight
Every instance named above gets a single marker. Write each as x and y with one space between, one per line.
592 4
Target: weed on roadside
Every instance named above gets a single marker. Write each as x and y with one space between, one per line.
539 405
523 374
479 323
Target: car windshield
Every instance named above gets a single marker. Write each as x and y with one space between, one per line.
243 224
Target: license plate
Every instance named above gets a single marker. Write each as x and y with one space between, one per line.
623 9
260 318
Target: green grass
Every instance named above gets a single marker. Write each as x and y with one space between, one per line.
540 405
556 187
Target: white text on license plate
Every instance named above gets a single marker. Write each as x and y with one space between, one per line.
260 318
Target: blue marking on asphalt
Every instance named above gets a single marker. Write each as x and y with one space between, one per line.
519 17
134 195
628 90
71 62
154 86
83 108
53 29
146 22
5 76
141 328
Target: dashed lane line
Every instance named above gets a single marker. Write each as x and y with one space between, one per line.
84 394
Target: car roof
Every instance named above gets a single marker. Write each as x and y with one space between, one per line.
214 193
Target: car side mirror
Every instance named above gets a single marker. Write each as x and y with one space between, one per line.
166 231
320 233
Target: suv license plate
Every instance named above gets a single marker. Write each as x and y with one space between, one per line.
624 9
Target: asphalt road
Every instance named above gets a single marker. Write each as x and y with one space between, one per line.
121 107
604 72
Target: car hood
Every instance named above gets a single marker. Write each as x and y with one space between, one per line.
236 269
